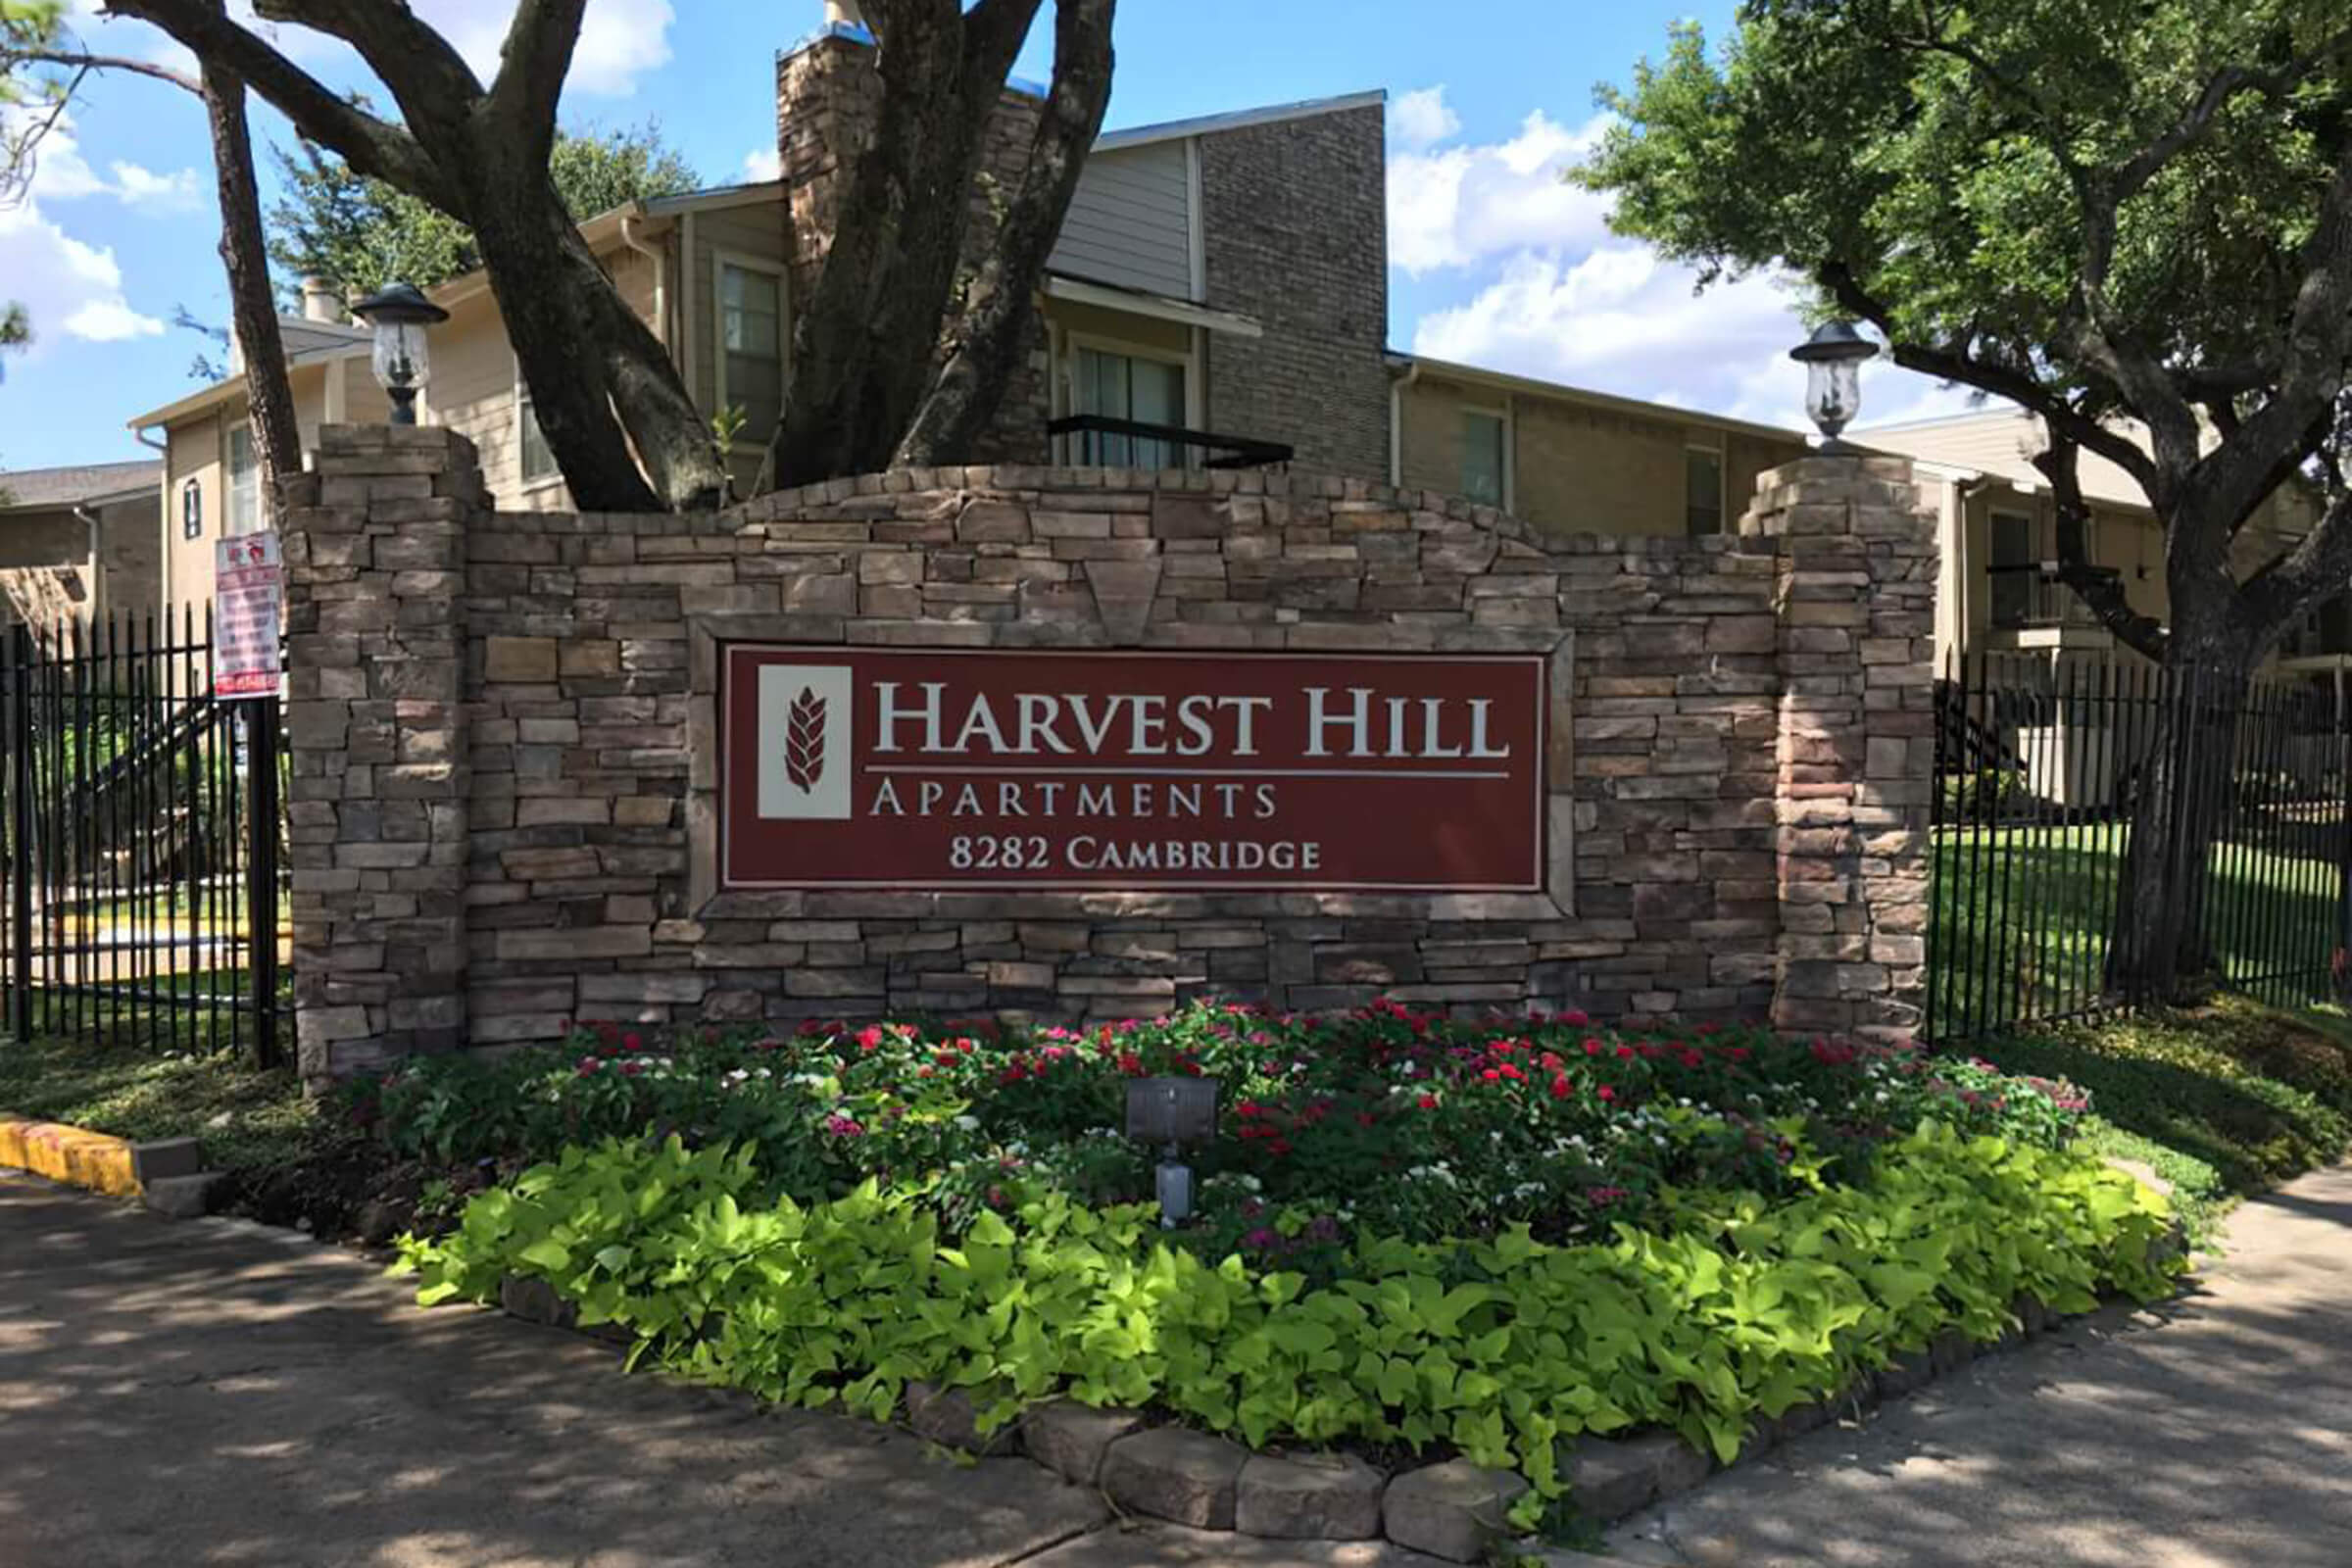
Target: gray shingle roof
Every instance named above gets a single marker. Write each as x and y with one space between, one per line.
27 488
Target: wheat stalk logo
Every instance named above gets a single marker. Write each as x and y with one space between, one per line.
805 741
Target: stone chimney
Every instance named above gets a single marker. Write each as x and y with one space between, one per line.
319 301
843 12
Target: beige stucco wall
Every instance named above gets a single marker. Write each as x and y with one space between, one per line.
1577 468
197 448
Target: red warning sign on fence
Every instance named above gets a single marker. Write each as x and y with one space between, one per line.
249 595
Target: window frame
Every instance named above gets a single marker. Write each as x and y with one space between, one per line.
744 260
1070 341
1501 414
1723 488
525 404
230 518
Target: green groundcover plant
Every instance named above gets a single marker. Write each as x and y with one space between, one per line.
1727 1308
1386 1120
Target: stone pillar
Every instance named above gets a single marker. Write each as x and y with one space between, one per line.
375 575
1855 603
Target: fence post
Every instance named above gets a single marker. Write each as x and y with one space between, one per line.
260 870
16 671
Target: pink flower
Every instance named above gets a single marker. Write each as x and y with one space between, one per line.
1605 1092
869 1038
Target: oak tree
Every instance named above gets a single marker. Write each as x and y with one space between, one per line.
2108 215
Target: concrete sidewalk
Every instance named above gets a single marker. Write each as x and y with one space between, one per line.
212 1392
2215 1431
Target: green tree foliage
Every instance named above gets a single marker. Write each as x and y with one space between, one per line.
360 233
2097 210
2134 221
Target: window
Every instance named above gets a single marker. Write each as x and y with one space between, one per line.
1483 457
244 485
2013 561
1702 490
537 462
751 338
191 510
1129 387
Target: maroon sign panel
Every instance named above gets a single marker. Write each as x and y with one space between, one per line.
951 769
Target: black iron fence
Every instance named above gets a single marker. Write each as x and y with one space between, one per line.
141 900
2051 775
1096 438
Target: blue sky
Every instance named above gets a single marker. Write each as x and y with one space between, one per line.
1493 261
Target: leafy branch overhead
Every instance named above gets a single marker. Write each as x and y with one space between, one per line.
2111 216
360 233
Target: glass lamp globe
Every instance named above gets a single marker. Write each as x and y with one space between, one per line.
399 316
1832 359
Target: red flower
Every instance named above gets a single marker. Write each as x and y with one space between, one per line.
634 1041
1560 1087
631 1069
869 1038
1625 1052
1592 1047
1428 1102
1492 1076
1574 1019
1605 1092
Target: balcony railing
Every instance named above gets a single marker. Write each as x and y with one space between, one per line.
1092 439
2023 597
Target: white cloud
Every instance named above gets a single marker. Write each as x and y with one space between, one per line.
761 164
64 286
1621 319
1421 116
111 322
620 41
143 187
1457 206
59 172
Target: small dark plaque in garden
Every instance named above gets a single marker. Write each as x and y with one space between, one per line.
1171 1111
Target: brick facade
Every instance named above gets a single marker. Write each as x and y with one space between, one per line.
502 776
1295 231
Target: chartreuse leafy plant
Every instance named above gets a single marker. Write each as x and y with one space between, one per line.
1498 1347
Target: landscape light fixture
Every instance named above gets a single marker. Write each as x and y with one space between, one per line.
1172 1112
1832 359
399 315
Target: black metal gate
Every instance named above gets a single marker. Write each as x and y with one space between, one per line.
142 895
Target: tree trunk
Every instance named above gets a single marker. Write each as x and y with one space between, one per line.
276 436
2162 951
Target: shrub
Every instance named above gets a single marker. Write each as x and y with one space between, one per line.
1495 1347
1387 1119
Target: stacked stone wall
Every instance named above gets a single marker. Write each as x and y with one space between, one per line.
505 740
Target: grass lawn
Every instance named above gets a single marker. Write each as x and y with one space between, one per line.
2022 918
284 1159
2223 1102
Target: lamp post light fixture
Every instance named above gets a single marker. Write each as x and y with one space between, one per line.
1172 1112
1832 359
399 315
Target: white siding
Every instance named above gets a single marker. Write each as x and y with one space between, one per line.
1130 221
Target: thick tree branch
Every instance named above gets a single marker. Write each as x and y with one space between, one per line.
534 61
2313 573
1959 364
955 410
416 62
2234 478
371 145
2101 590
2130 175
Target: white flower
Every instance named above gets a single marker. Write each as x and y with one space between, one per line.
969 1124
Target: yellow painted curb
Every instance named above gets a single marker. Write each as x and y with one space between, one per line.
71 1155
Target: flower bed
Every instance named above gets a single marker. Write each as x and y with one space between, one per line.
1384 1121
1484 1238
